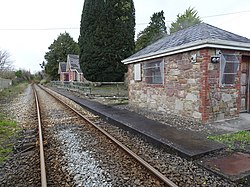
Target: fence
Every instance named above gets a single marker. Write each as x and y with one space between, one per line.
5 83
102 89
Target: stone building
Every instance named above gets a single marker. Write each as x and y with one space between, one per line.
199 73
70 70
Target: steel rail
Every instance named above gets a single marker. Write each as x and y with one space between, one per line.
42 160
119 144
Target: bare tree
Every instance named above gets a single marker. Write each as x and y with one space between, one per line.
7 74
5 61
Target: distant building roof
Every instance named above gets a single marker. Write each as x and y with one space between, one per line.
74 62
62 67
195 37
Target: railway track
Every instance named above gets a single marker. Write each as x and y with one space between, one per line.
62 125
77 154
42 160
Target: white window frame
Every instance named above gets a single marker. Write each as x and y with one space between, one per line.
154 70
137 72
224 60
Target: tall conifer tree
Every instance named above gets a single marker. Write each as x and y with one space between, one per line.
106 38
154 31
188 18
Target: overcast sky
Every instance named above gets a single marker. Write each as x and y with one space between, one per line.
28 27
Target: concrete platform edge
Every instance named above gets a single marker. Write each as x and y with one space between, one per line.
168 147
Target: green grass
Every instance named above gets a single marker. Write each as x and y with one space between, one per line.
8 130
8 127
233 140
13 90
4 152
110 90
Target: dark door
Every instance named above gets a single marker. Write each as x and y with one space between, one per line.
245 84
66 77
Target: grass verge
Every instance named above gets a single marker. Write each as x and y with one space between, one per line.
12 91
238 139
8 130
110 90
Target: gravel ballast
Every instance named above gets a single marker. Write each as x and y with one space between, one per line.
86 161
22 167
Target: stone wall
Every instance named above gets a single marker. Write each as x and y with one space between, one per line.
180 93
223 102
5 83
191 89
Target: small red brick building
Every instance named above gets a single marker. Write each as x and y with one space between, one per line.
199 73
70 70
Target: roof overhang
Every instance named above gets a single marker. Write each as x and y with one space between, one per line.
220 44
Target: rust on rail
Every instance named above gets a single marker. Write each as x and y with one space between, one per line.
42 160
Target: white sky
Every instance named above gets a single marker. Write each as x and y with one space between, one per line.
27 47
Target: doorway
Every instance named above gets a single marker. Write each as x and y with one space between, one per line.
66 77
245 84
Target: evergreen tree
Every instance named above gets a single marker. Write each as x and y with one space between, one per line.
58 52
106 38
189 18
153 32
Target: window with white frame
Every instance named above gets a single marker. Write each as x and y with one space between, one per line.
154 72
137 72
228 69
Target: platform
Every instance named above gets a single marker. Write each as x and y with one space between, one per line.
185 143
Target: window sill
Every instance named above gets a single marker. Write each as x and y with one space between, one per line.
154 85
228 86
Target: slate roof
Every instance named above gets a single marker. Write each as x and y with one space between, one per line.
62 67
74 62
195 35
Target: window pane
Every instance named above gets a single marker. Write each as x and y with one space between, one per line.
231 58
228 68
148 72
228 78
231 67
153 72
157 80
148 80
